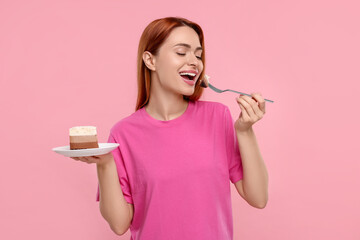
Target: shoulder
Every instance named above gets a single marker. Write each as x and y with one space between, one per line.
211 106
216 111
127 122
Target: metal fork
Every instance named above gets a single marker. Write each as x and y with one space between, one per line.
221 91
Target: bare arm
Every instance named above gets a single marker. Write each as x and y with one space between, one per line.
113 206
254 186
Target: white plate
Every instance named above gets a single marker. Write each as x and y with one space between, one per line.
103 149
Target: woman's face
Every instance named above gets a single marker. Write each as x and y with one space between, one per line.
181 51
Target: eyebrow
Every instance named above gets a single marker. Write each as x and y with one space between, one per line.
188 46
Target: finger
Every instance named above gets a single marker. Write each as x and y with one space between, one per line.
255 107
92 159
83 159
260 100
248 104
244 112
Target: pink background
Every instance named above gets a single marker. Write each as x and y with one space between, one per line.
69 63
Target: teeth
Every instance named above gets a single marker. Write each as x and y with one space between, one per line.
190 74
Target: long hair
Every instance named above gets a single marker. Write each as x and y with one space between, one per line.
151 39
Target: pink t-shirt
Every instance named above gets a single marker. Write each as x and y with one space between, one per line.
177 172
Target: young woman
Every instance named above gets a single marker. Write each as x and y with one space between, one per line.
170 176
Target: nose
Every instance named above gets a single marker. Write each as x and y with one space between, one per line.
193 60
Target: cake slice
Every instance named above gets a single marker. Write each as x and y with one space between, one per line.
205 81
83 137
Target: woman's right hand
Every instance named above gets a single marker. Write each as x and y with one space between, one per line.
99 159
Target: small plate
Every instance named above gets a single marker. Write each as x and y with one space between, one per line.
102 149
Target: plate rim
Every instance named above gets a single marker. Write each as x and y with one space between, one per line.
61 148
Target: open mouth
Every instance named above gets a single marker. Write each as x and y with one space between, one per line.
188 77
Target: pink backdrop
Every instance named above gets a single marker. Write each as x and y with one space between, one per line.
68 63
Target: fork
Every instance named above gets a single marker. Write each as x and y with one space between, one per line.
203 84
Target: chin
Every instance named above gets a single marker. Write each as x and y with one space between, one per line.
186 90
188 93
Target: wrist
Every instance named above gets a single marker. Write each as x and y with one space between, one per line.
247 132
106 163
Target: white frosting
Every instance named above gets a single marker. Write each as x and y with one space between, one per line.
207 77
82 130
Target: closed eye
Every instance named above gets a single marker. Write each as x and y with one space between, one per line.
182 54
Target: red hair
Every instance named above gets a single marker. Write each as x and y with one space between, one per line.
151 39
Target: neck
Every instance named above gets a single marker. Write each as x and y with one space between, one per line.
164 104
166 110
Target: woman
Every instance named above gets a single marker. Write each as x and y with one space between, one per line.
169 177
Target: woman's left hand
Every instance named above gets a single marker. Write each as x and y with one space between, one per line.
252 110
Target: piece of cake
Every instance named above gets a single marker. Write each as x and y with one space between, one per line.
83 137
205 81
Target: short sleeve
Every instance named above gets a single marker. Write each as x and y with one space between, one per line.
232 149
122 173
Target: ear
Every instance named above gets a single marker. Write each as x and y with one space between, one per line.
149 60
